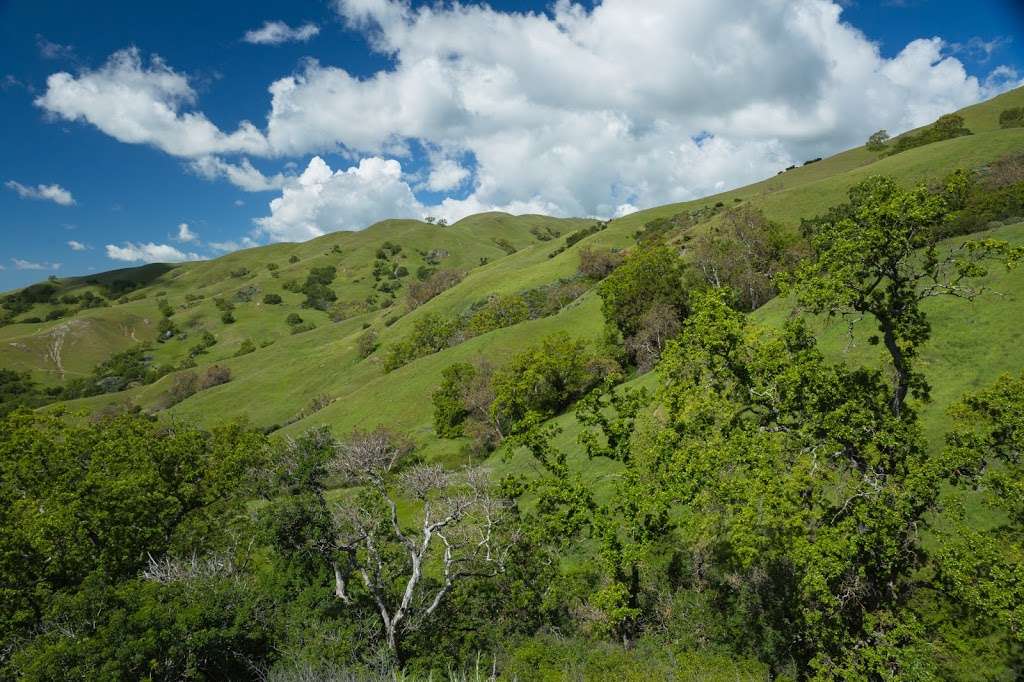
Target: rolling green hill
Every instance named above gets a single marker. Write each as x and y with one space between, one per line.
499 254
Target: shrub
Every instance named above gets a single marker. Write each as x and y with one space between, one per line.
206 341
293 259
293 319
599 263
247 347
366 343
272 299
305 327
745 253
498 312
418 293
183 386
1012 118
227 317
505 245
215 375
56 314
240 272
430 334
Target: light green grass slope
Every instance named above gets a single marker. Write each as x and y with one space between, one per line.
275 383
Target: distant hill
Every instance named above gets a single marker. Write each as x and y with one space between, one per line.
498 254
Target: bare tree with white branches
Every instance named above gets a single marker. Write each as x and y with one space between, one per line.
407 564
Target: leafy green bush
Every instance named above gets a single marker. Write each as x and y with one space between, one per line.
317 289
430 334
247 347
1011 118
272 299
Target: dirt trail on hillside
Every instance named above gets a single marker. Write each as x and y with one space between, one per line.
55 344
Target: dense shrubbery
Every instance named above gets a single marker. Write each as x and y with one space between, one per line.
597 264
574 237
120 371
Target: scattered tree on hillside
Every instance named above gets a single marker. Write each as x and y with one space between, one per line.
744 253
418 293
882 259
643 295
1011 118
599 263
877 141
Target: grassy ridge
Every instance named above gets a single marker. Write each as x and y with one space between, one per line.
273 384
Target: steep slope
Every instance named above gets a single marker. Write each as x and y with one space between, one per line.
274 384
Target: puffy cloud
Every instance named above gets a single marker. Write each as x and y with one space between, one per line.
627 103
148 253
142 104
585 110
322 200
446 174
243 175
186 235
20 264
54 193
77 245
277 32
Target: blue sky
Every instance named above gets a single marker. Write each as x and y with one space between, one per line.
382 109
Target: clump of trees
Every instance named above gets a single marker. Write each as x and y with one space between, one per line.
826 575
644 301
945 128
487 403
744 253
433 333
317 289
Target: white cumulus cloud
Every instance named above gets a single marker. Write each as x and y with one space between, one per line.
587 109
143 104
322 200
77 245
243 175
148 253
54 193
185 234
277 32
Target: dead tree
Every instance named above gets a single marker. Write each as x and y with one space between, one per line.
459 529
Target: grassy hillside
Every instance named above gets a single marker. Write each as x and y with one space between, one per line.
276 382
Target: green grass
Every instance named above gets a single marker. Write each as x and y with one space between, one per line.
973 343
